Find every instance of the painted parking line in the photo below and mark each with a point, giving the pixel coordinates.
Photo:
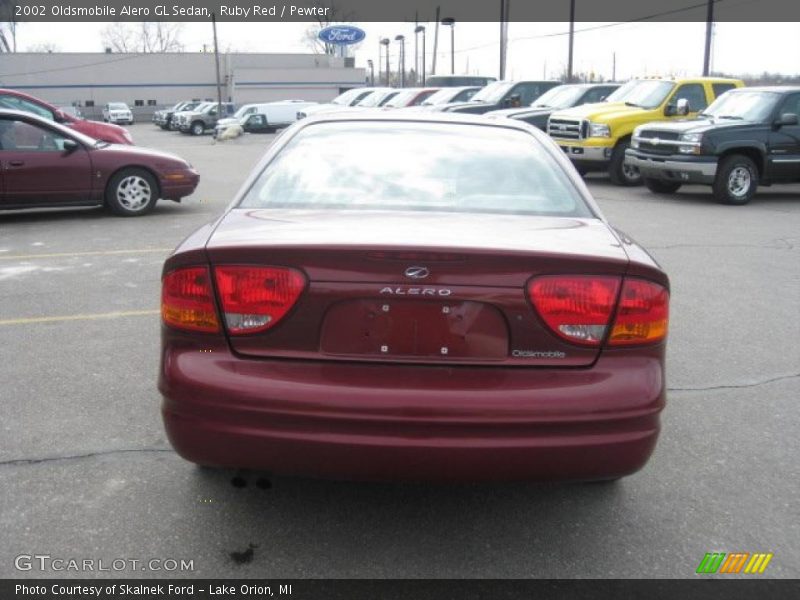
(84, 317)
(93, 253)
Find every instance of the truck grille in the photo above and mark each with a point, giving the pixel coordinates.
(568, 129)
(662, 135)
(653, 141)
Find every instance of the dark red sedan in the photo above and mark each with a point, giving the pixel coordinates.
(108, 132)
(414, 297)
(44, 164)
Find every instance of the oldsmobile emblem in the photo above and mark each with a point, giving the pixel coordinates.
(417, 272)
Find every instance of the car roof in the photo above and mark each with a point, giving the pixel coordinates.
(688, 79)
(781, 89)
(4, 112)
(421, 117)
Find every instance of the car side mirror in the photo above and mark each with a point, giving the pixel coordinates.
(70, 146)
(787, 119)
(60, 116)
(514, 101)
(682, 108)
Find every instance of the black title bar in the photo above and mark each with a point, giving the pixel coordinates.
(397, 589)
(355, 11)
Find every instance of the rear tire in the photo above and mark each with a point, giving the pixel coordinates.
(621, 173)
(736, 181)
(131, 192)
(659, 186)
(198, 128)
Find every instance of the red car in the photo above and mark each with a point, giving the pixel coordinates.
(44, 164)
(442, 301)
(107, 132)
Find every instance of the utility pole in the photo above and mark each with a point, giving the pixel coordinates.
(709, 34)
(216, 60)
(504, 5)
(614, 66)
(436, 40)
(571, 38)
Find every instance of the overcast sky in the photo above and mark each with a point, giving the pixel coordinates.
(535, 49)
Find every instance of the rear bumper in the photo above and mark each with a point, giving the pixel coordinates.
(688, 169)
(406, 422)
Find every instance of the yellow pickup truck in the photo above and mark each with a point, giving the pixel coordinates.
(595, 136)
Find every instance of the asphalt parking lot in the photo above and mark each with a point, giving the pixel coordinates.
(86, 471)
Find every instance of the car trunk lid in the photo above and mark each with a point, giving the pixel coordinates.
(422, 287)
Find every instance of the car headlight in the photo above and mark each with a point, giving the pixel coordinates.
(599, 130)
(691, 143)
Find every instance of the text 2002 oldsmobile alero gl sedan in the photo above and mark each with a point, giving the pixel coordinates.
(418, 298)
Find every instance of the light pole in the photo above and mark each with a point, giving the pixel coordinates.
(386, 42)
(402, 59)
(571, 39)
(709, 35)
(417, 30)
(371, 72)
(451, 23)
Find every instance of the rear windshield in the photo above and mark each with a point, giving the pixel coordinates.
(363, 165)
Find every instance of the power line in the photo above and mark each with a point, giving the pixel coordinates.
(596, 27)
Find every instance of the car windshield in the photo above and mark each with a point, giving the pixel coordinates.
(493, 92)
(243, 111)
(647, 93)
(402, 98)
(562, 96)
(443, 96)
(746, 106)
(117, 106)
(399, 166)
(346, 98)
(376, 98)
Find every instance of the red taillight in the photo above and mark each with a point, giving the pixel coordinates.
(187, 301)
(576, 307)
(256, 298)
(642, 315)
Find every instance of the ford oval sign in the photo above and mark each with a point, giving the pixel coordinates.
(341, 35)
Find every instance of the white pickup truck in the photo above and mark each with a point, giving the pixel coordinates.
(278, 114)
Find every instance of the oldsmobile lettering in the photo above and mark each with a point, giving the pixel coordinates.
(416, 291)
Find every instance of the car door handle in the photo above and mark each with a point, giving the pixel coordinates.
(16, 163)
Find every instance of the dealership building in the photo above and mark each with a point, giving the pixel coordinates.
(149, 81)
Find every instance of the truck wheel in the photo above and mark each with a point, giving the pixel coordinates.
(736, 181)
(198, 128)
(659, 186)
(131, 192)
(621, 173)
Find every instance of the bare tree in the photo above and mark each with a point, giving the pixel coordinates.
(143, 37)
(46, 47)
(8, 27)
